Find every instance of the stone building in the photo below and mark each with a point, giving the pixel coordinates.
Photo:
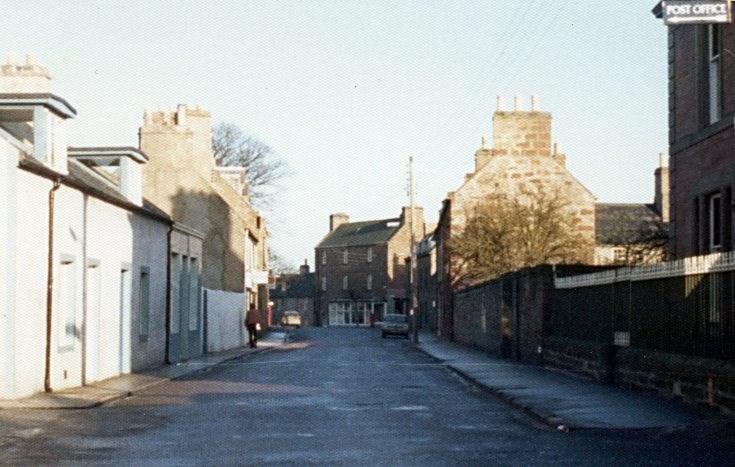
(701, 137)
(361, 268)
(634, 233)
(181, 179)
(522, 156)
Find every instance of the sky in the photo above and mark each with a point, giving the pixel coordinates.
(345, 91)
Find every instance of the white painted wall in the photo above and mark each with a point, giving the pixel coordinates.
(225, 313)
(8, 201)
(86, 228)
(31, 230)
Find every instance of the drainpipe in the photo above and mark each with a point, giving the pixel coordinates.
(167, 324)
(50, 284)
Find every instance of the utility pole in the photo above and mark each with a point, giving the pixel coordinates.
(412, 272)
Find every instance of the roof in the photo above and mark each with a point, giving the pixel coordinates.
(619, 224)
(84, 179)
(361, 233)
(296, 285)
(51, 101)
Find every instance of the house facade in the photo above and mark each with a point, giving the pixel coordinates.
(181, 178)
(361, 268)
(83, 287)
(701, 60)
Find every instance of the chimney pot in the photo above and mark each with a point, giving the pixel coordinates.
(534, 103)
(500, 103)
(517, 103)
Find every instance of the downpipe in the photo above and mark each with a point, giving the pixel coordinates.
(50, 283)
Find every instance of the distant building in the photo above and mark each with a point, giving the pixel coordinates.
(701, 137)
(361, 268)
(630, 234)
(294, 292)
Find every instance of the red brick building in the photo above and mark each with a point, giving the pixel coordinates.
(361, 268)
(701, 136)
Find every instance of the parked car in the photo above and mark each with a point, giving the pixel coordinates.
(291, 318)
(394, 324)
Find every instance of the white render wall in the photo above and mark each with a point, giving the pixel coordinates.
(225, 313)
(8, 200)
(87, 231)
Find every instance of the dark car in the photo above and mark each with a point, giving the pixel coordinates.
(394, 324)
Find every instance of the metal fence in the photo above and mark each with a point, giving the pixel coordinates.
(684, 307)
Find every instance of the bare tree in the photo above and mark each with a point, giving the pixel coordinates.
(504, 234)
(264, 168)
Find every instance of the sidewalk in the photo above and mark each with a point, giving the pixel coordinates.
(123, 386)
(559, 400)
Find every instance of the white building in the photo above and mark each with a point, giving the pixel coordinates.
(83, 260)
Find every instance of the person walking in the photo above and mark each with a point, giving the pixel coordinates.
(252, 322)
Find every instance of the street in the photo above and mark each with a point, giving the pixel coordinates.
(333, 396)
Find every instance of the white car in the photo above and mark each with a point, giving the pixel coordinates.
(291, 318)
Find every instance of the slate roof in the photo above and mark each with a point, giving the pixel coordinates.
(361, 233)
(617, 224)
(296, 285)
(82, 178)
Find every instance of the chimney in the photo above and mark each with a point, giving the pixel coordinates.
(304, 269)
(559, 156)
(661, 197)
(27, 78)
(41, 116)
(337, 219)
(521, 133)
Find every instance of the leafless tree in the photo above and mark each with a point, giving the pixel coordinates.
(231, 147)
(504, 233)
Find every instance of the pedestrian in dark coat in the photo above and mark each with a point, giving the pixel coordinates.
(252, 322)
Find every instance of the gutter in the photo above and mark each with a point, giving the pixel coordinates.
(50, 283)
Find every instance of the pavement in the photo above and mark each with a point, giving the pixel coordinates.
(560, 400)
(101, 392)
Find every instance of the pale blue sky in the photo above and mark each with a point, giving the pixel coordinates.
(347, 90)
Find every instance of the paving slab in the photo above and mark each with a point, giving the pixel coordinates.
(558, 399)
(101, 392)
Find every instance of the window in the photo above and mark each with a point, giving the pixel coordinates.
(714, 75)
(324, 257)
(126, 287)
(176, 271)
(193, 294)
(145, 303)
(369, 284)
(324, 283)
(345, 283)
(345, 257)
(67, 302)
(370, 254)
(620, 256)
(715, 222)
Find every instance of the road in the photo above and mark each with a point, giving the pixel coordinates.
(332, 397)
